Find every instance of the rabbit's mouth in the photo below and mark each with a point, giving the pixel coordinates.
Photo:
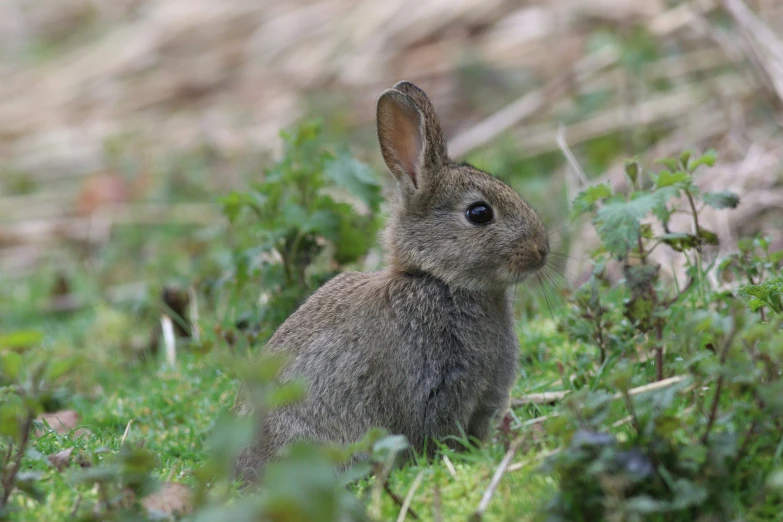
(529, 258)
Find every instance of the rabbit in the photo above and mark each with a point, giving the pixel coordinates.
(426, 347)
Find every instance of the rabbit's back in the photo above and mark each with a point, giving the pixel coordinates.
(400, 351)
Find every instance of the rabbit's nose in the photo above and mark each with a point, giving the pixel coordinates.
(543, 250)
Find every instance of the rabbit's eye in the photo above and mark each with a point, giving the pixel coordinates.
(479, 214)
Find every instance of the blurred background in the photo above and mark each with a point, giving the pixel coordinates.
(122, 121)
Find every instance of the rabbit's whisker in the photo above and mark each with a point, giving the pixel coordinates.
(546, 296)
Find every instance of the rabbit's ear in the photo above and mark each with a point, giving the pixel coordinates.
(410, 136)
(436, 153)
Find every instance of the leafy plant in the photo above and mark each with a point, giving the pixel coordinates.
(314, 213)
(624, 223)
(699, 445)
(26, 387)
(753, 262)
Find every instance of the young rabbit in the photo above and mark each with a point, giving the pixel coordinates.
(425, 348)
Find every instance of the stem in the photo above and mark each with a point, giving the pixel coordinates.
(659, 242)
(673, 300)
(695, 213)
(10, 479)
(397, 500)
(716, 399)
(286, 266)
(713, 411)
(642, 253)
(629, 405)
(659, 352)
(745, 441)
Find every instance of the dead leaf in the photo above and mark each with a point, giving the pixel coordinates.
(100, 189)
(61, 459)
(61, 421)
(171, 499)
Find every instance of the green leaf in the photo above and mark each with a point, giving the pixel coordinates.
(708, 159)
(11, 415)
(646, 505)
(355, 240)
(618, 222)
(286, 394)
(11, 365)
(685, 157)
(632, 170)
(27, 483)
(719, 200)
(585, 201)
(20, 340)
(60, 367)
(666, 178)
(680, 241)
(356, 177)
(389, 446)
(708, 237)
(669, 163)
(325, 223)
(775, 480)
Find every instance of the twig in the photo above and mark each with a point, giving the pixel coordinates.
(76, 506)
(541, 456)
(396, 498)
(499, 472)
(409, 498)
(450, 467)
(437, 509)
(169, 339)
(633, 391)
(569, 156)
(548, 397)
(127, 432)
(539, 420)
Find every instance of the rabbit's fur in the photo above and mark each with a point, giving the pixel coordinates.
(425, 348)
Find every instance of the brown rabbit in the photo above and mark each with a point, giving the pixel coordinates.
(425, 348)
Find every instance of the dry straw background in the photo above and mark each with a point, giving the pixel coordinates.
(181, 74)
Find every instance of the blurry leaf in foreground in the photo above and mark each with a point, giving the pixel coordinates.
(303, 486)
(20, 340)
(170, 500)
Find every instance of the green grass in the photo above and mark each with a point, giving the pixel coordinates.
(172, 409)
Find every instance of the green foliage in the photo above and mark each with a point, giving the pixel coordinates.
(754, 263)
(699, 446)
(769, 293)
(313, 213)
(25, 383)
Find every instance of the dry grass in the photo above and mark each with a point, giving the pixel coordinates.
(170, 75)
